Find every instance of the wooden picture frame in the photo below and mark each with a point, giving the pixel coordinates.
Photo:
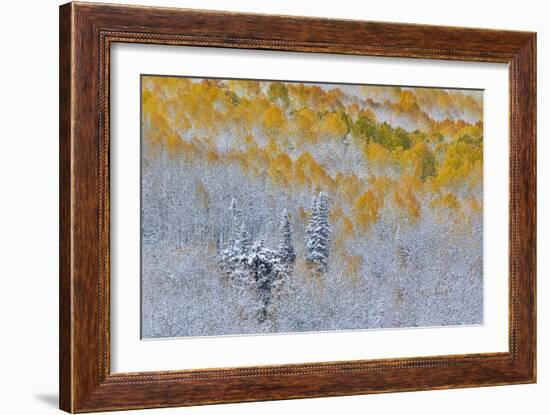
(86, 33)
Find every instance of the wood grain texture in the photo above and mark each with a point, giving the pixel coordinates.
(86, 33)
(65, 247)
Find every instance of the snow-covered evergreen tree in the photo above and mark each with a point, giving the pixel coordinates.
(318, 234)
(286, 247)
(233, 257)
(256, 269)
(241, 241)
(311, 226)
(267, 273)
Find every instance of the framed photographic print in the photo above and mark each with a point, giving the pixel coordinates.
(258, 207)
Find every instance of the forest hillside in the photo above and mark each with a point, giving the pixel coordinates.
(280, 206)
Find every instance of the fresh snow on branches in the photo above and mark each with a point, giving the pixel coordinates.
(205, 275)
(286, 247)
(257, 266)
(318, 234)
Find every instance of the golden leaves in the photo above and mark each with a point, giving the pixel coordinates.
(377, 153)
(367, 207)
(407, 101)
(306, 122)
(310, 173)
(280, 169)
(332, 125)
(408, 203)
(418, 161)
(447, 201)
(347, 186)
(462, 163)
(274, 130)
(273, 118)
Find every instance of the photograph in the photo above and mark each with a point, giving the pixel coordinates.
(275, 206)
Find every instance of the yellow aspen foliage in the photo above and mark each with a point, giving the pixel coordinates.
(475, 206)
(212, 156)
(154, 117)
(378, 154)
(174, 144)
(256, 160)
(475, 130)
(181, 123)
(418, 161)
(148, 101)
(272, 147)
(332, 125)
(407, 101)
(367, 114)
(347, 227)
(246, 141)
(273, 118)
(243, 87)
(443, 100)
(367, 207)
(306, 122)
(408, 204)
(242, 115)
(278, 93)
(299, 94)
(403, 171)
(308, 172)
(446, 201)
(335, 95)
(280, 169)
(381, 185)
(348, 186)
(460, 160)
(412, 183)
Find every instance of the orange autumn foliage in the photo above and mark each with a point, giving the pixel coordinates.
(271, 129)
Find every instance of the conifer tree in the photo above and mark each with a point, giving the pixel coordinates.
(233, 258)
(267, 274)
(241, 241)
(318, 234)
(286, 247)
(310, 228)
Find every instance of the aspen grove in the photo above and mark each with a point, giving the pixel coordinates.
(272, 207)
